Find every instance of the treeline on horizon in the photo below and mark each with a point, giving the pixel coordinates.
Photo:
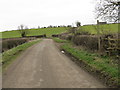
(54, 26)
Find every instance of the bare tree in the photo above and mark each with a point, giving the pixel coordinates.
(23, 30)
(108, 10)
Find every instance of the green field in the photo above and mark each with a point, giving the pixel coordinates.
(32, 32)
(104, 29)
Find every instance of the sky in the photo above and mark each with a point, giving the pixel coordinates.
(34, 13)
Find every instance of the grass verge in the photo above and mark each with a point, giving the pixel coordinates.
(9, 56)
(98, 65)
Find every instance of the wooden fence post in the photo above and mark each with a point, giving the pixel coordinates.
(98, 33)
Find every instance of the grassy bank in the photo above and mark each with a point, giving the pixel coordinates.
(32, 32)
(102, 66)
(9, 56)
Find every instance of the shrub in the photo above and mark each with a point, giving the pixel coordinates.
(55, 35)
(69, 37)
(88, 41)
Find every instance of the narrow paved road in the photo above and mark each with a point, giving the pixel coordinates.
(44, 66)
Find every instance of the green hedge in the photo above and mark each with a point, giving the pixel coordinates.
(8, 44)
(11, 54)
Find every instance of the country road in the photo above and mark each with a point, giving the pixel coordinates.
(44, 66)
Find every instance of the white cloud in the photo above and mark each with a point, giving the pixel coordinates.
(44, 12)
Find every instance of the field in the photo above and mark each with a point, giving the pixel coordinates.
(104, 29)
(32, 32)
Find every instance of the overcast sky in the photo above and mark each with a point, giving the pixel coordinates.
(34, 13)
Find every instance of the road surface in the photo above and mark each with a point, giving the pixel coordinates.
(44, 66)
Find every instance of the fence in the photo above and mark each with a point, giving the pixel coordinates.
(112, 46)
